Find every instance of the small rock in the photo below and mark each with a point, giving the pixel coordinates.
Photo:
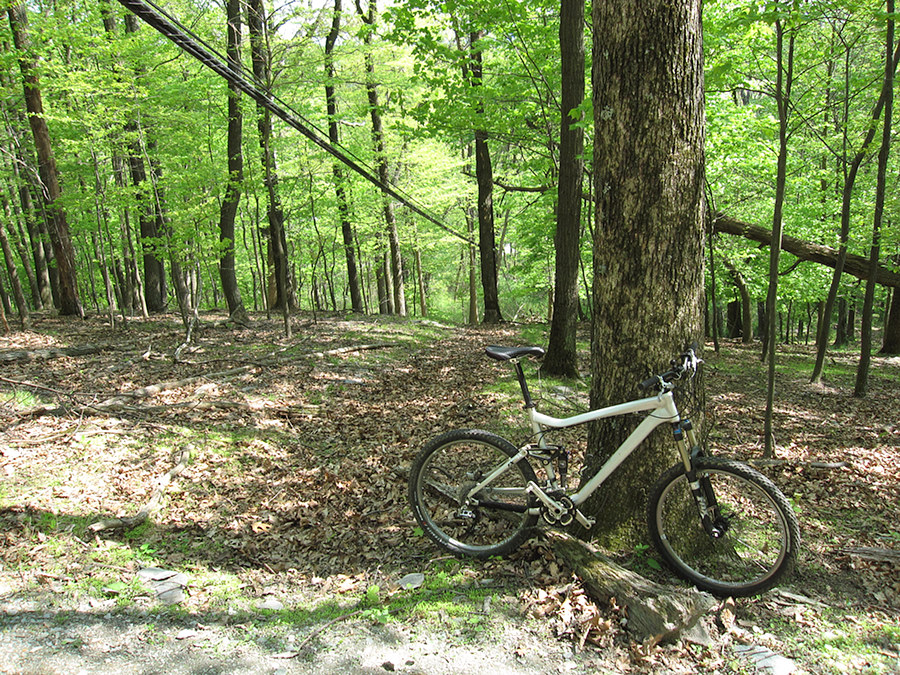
(270, 603)
(410, 581)
(765, 660)
(387, 665)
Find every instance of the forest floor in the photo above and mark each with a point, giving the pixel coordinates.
(278, 539)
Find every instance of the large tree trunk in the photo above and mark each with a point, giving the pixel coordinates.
(648, 243)
(232, 197)
(69, 302)
(561, 355)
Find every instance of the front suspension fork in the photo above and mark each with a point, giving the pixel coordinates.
(701, 489)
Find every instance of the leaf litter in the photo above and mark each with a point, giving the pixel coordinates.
(297, 487)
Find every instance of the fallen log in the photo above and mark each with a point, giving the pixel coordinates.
(655, 612)
(873, 554)
(855, 265)
(19, 355)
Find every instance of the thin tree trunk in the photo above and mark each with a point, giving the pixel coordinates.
(420, 279)
(229, 207)
(356, 300)
(714, 323)
(746, 308)
(19, 242)
(13, 274)
(154, 279)
(561, 352)
(825, 327)
(69, 302)
(472, 268)
(390, 220)
(865, 354)
(784, 81)
(840, 333)
(484, 176)
(34, 264)
(261, 57)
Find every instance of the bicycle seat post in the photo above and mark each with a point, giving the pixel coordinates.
(526, 395)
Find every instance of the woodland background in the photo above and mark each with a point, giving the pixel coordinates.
(136, 183)
(155, 158)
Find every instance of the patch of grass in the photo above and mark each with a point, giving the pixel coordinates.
(829, 640)
(857, 646)
(21, 399)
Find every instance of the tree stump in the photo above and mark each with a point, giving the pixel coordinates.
(654, 612)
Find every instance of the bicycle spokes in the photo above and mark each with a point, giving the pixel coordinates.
(464, 502)
(746, 542)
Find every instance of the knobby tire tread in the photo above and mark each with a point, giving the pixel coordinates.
(723, 589)
(420, 510)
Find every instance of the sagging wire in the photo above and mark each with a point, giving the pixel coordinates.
(156, 17)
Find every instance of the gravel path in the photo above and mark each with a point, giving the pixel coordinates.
(38, 635)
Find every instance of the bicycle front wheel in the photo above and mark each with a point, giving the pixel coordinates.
(758, 531)
(493, 521)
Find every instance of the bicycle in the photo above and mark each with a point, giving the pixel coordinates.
(718, 523)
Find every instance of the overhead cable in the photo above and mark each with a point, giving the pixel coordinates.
(157, 18)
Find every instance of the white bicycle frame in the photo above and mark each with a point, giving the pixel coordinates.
(661, 409)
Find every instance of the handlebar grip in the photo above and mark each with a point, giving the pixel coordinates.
(687, 362)
(649, 383)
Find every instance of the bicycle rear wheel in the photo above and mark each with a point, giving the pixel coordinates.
(495, 521)
(759, 531)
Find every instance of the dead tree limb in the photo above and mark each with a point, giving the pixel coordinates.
(130, 522)
(855, 265)
(18, 355)
(654, 612)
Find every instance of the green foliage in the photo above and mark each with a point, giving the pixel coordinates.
(111, 96)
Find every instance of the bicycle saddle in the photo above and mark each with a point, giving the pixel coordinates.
(509, 353)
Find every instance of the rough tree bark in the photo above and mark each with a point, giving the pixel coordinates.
(648, 284)
(69, 301)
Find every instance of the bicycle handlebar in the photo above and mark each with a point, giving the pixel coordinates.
(685, 363)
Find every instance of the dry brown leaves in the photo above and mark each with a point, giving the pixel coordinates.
(299, 470)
